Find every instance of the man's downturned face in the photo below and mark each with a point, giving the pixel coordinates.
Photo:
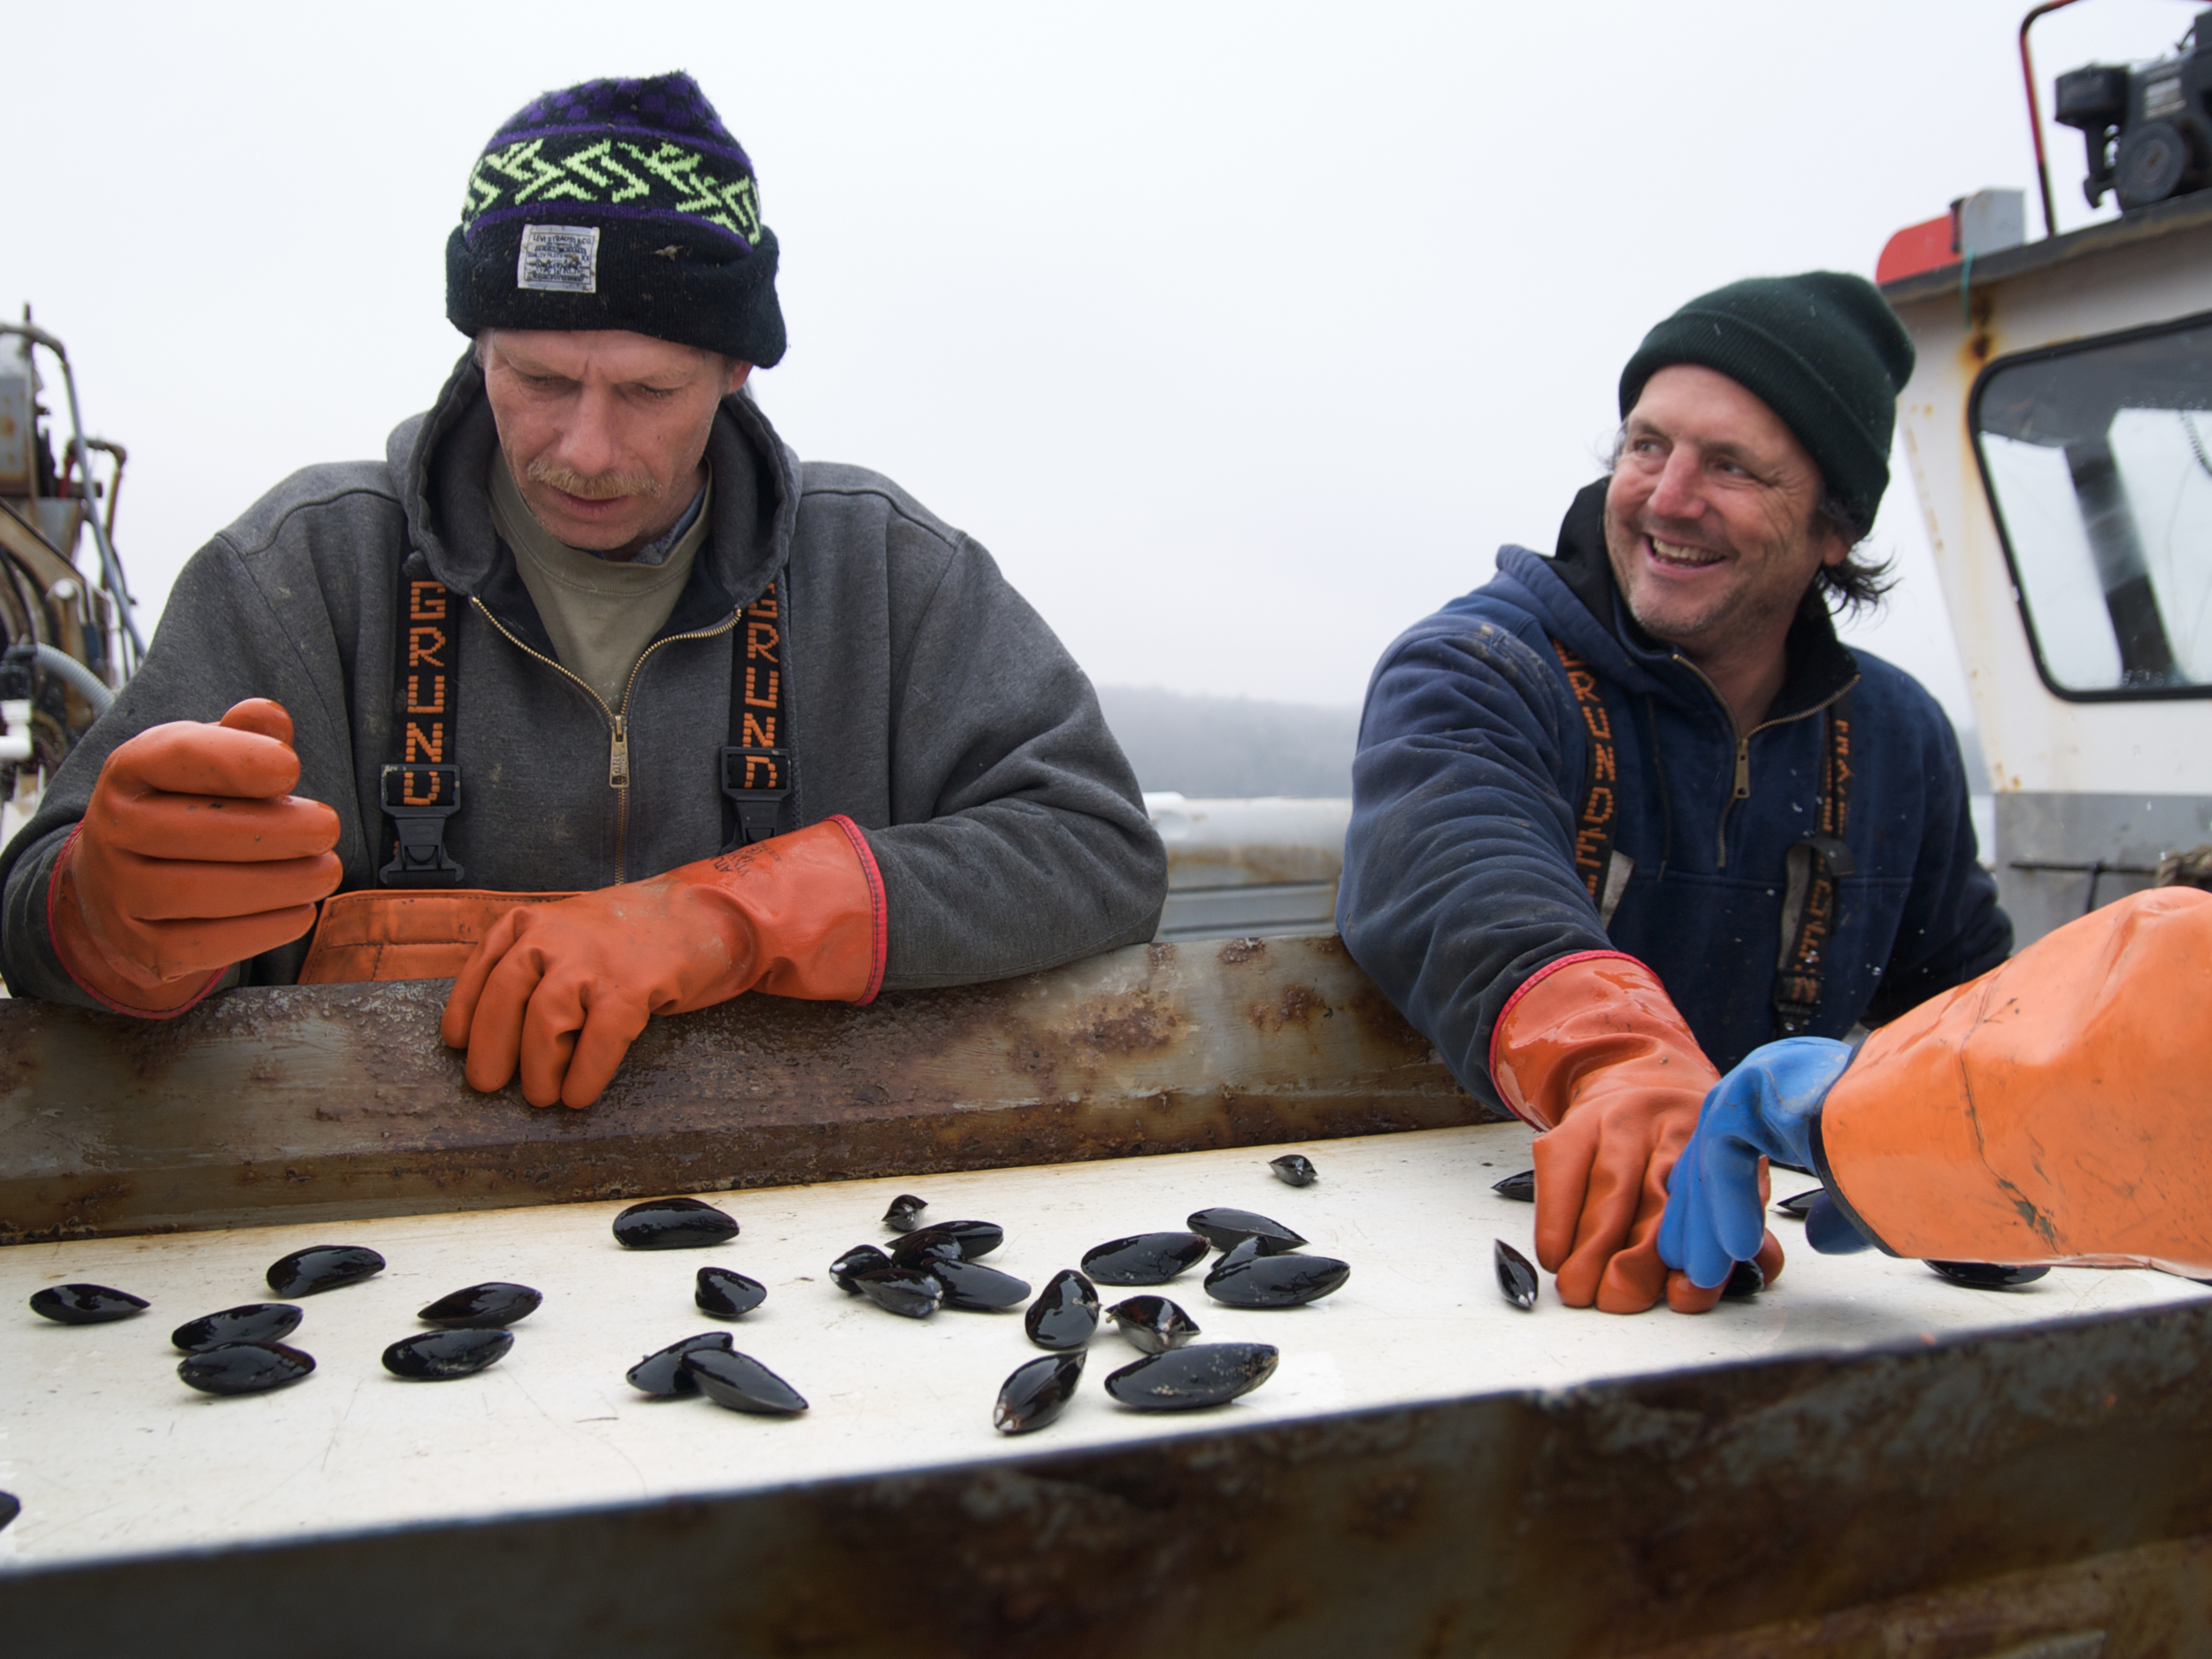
(603, 430)
(1709, 518)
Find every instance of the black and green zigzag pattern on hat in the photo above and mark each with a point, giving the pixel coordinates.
(1823, 350)
(620, 203)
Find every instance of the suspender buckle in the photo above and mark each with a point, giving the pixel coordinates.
(756, 780)
(418, 800)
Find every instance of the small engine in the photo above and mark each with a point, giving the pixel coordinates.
(2149, 130)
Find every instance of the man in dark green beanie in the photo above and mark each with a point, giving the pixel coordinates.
(1625, 813)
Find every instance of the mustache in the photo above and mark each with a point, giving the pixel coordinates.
(593, 485)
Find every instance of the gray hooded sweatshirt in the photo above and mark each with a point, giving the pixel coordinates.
(926, 702)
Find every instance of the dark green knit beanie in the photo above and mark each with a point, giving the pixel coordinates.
(1823, 350)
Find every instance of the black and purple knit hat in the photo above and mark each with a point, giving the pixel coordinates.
(617, 204)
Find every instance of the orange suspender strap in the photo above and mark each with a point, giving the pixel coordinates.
(1599, 817)
(1809, 906)
(422, 789)
(756, 763)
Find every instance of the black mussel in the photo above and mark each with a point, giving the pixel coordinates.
(1149, 1258)
(11, 1506)
(1185, 1378)
(256, 1322)
(862, 1258)
(974, 1288)
(1746, 1280)
(1988, 1275)
(726, 1295)
(1065, 1312)
(912, 1292)
(1797, 1204)
(441, 1355)
(673, 1224)
(1519, 1186)
(1225, 1229)
(965, 1240)
(901, 1217)
(85, 1304)
(661, 1374)
(323, 1267)
(243, 1368)
(1294, 1169)
(1036, 1393)
(1273, 1281)
(742, 1383)
(1516, 1276)
(490, 1307)
(1153, 1323)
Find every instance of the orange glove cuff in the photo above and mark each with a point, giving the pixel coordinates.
(1581, 1015)
(814, 899)
(93, 968)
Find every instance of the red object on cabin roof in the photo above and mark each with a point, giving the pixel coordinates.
(1923, 247)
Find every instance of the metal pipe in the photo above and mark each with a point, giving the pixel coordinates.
(2035, 112)
(87, 684)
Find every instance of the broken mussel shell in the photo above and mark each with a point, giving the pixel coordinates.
(1797, 1204)
(1065, 1312)
(11, 1506)
(1189, 1378)
(488, 1307)
(962, 1240)
(1225, 1229)
(256, 1322)
(673, 1224)
(85, 1304)
(1147, 1258)
(1153, 1323)
(1988, 1275)
(323, 1267)
(1519, 1186)
(1247, 1277)
(1516, 1275)
(727, 1295)
(862, 1258)
(1746, 1280)
(1036, 1393)
(662, 1374)
(1294, 1169)
(441, 1355)
(742, 1383)
(974, 1288)
(901, 1217)
(243, 1368)
(913, 1293)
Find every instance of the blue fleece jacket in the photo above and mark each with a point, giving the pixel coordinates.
(1459, 875)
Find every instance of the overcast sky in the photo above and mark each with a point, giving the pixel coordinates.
(1242, 334)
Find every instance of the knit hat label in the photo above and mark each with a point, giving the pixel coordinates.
(564, 258)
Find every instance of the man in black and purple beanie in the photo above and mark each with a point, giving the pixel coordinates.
(591, 693)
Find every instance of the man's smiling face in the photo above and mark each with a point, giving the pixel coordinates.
(1709, 518)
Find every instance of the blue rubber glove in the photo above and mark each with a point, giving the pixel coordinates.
(1764, 1108)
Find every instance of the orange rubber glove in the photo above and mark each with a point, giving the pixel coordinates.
(192, 855)
(1591, 1052)
(565, 988)
(2052, 1110)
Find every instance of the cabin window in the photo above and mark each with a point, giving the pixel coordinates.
(2098, 461)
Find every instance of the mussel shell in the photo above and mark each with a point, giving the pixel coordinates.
(243, 1368)
(910, 1292)
(322, 1267)
(85, 1304)
(1036, 1393)
(1988, 1275)
(1746, 1280)
(1225, 1229)
(1065, 1312)
(975, 1288)
(901, 1217)
(11, 1506)
(1153, 1323)
(862, 1258)
(1797, 1204)
(1190, 1379)
(1519, 1186)
(742, 1383)
(492, 1306)
(673, 1224)
(965, 1240)
(662, 1374)
(1276, 1281)
(1516, 1275)
(727, 1295)
(441, 1355)
(256, 1322)
(1294, 1169)
(1145, 1258)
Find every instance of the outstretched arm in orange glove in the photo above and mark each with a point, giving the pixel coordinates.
(192, 855)
(563, 989)
(1591, 1052)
